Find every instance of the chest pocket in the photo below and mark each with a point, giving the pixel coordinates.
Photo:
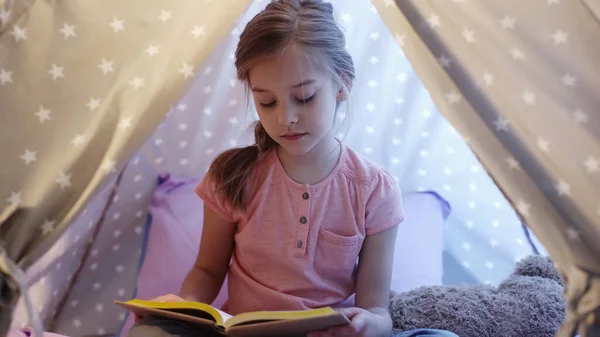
(336, 255)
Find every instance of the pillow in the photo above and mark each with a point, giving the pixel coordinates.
(418, 256)
(172, 241)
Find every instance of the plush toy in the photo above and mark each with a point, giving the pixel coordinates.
(529, 303)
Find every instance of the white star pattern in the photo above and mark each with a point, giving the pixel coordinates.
(19, 34)
(592, 164)
(579, 116)
(47, 227)
(517, 54)
(164, 16)
(468, 35)
(78, 140)
(152, 50)
(29, 156)
(568, 80)
(528, 97)
(109, 166)
(5, 76)
(56, 72)
(15, 198)
(93, 103)
(501, 124)
(543, 144)
(563, 188)
(488, 78)
(186, 70)
(125, 123)
(43, 114)
(138, 82)
(63, 180)
(106, 66)
(444, 61)
(453, 97)
(198, 31)
(68, 30)
(117, 25)
(508, 22)
(523, 207)
(559, 37)
(434, 21)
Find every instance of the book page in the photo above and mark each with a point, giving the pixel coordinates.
(224, 315)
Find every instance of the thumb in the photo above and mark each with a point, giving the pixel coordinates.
(350, 312)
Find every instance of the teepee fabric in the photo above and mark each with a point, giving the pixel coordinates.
(520, 81)
(82, 86)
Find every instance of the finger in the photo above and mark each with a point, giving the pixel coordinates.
(357, 325)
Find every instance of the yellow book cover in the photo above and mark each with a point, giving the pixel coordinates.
(259, 323)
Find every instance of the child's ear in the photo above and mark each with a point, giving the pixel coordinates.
(341, 95)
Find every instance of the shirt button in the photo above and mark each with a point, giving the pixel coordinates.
(305, 196)
(299, 243)
(303, 219)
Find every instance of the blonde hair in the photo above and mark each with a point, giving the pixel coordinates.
(310, 25)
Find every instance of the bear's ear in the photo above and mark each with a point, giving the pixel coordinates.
(537, 265)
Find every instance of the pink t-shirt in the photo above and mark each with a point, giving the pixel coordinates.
(296, 245)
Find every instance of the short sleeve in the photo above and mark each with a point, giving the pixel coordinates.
(206, 190)
(384, 207)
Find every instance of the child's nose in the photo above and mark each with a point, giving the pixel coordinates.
(288, 116)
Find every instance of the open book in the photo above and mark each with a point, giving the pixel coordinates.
(260, 323)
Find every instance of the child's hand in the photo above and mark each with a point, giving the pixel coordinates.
(363, 323)
(163, 298)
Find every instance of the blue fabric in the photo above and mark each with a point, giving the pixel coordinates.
(426, 333)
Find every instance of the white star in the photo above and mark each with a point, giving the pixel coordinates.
(347, 18)
(396, 141)
(398, 121)
(434, 21)
(138, 82)
(56, 72)
(68, 30)
(197, 31)
(164, 16)
(488, 78)
(4, 16)
(63, 179)
(450, 150)
(207, 111)
(372, 84)
(207, 134)
(125, 123)
(5, 76)
(399, 100)
(489, 265)
(469, 35)
(592, 164)
(400, 39)
(573, 233)
(528, 97)
(513, 163)
(109, 166)
(444, 61)
(15, 198)
(466, 246)
(453, 97)
(517, 54)
(426, 113)
(117, 25)
(553, 2)
(233, 120)
(388, 3)
(29, 156)
(424, 153)
(152, 50)
(560, 37)
(473, 187)
(43, 114)
(579, 116)
(369, 129)
(93, 103)
(569, 80)
(47, 227)
(501, 124)
(183, 126)
(493, 242)
(19, 33)
(543, 144)
(374, 36)
(78, 140)
(563, 188)
(187, 70)
(371, 107)
(106, 66)
(523, 207)
(182, 107)
(401, 77)
(374, 60)
(508, 22)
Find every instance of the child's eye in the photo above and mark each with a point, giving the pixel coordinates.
(267, 105)
(305, 100)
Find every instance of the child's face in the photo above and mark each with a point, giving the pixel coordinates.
(295, 101)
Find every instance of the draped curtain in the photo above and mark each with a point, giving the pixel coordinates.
(519, 80)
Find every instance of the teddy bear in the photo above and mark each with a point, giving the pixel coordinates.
(529, 303)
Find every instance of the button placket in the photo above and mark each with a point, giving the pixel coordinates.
(303, 224)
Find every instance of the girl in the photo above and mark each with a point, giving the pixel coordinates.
(298, 220)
